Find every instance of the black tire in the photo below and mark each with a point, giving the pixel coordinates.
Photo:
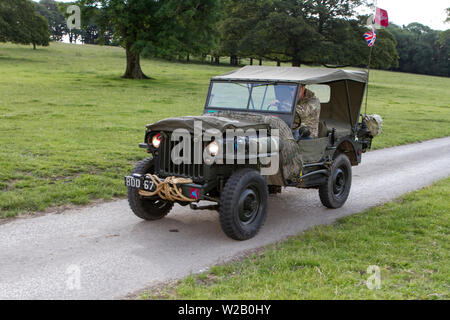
(335, 192)
(243, 204)
(145, 208)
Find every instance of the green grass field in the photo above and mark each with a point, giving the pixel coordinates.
(70, 126)
(408, 240)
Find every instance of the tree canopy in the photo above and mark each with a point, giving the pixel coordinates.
(302, 32)
(164, 27)
(314, 32)
(422, 50)
(19, 23)
(57, 23)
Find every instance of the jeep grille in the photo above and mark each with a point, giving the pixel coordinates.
(168, 168)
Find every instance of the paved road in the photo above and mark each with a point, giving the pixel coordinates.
(114, 253)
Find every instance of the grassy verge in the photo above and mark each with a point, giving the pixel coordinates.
(408, 239)
(69, 125)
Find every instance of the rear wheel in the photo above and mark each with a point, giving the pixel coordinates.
(335, 192)
(243, 204)
(147, 209)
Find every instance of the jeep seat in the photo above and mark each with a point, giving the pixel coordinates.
(326, 126)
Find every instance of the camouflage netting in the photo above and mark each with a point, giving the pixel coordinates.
(290, 153)
(375, 124)
(207, 123)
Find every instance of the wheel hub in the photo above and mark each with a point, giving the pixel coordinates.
(339, 182)
(248, 206)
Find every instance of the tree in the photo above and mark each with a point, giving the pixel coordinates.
(444, 53)
(95, 27)
(90, 29)
(238, 35)
(14, 16)
(272, 29)
(193, 29)
(288, 33)
(21, 24)
(353, 50)
(152, 26)
(303, 32)
(39, 31)
(56, 20)
(421, 49)
(73, 34)
(385, 55)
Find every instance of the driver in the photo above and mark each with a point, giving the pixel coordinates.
(308, 112)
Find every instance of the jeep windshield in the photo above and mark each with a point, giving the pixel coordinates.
(241, 96)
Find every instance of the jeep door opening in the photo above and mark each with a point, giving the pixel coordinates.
(262, 101)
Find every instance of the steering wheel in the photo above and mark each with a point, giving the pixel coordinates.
(274, 105)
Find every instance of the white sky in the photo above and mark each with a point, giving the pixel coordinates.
(403, 12)
(430, 12)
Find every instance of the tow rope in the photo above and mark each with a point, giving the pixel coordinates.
(168, 189)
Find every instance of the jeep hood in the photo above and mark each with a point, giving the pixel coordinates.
(207, 122)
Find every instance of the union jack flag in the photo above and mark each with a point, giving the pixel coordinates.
(371, 37)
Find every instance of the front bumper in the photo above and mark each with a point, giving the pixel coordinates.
(193, 191)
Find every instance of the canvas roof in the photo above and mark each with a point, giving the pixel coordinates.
(292, 74)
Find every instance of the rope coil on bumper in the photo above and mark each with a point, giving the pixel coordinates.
(168, 189)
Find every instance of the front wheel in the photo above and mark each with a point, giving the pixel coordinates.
(147, 209)
(335, 192)
(243, 204)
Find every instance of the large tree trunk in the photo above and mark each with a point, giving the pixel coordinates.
(260, 62)
(134, 70)
(251, 61)
(296, 62)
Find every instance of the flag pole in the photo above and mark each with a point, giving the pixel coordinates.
(375, 4)
(368, 77)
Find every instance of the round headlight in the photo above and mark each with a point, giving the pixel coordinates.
(156, 141)
(213, 149)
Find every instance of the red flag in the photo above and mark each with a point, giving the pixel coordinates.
(381, 18)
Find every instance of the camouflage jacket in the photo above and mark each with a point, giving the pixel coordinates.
(308, 113)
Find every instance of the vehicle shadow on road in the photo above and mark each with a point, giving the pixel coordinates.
(184, 227)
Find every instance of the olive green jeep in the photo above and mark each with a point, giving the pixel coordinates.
(248, 144)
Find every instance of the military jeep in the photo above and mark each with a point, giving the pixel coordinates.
(243, 148)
